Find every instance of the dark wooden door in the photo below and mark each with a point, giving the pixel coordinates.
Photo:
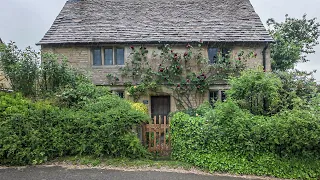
(160, 106)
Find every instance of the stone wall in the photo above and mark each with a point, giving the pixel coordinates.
(4, 83)
(80, 57)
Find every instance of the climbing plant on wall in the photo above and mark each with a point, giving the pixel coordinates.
(188, 74)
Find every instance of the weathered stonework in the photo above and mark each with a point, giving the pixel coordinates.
(80, 57)
(4, 83)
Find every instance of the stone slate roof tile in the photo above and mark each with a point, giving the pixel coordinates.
(124, 21)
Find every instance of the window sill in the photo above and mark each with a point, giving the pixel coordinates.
(108, 67)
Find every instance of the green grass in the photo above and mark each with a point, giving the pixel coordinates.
(124, 162)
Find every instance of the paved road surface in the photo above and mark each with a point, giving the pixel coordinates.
(58, 173)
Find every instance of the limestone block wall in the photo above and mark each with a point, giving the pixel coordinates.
(80, 56)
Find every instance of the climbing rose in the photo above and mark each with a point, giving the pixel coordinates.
(132, 47)
(185, 54)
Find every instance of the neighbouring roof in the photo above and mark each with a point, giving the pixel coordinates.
(1, 41)
(145, 21)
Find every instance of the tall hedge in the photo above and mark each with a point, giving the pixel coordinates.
(35, 132)
(229, 139)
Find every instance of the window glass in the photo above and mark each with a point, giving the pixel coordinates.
(213, 55)
(213, 97)
(226, 52)
(108, 56)
(223, 96)
(97, 57)
(119, 56)
(120, 94)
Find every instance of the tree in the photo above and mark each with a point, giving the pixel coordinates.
(294, 40)
(30, 76)
(21, 67)
(299, 87)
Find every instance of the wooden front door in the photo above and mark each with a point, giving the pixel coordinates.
(156, 134)
(160, 106)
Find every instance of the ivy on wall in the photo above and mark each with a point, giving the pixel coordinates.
(188, 75)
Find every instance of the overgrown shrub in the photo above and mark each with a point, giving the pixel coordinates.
(256, 91)
(229, 139)
(32, 77)
(21, 67)
(32, 133)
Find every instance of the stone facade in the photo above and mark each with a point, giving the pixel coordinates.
(4, 83)
(80, 56)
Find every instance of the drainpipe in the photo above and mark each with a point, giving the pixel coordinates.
(264, 55)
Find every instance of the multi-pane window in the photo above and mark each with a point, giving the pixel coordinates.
(218, 95)
(120, 94)
(213, 54)
(108, 56)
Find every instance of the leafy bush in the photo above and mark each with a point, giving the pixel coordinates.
(200, 111)
(21, 67)
(33, 78)
(229, 139)
(32, 133)
(256, 91)
(140, 107)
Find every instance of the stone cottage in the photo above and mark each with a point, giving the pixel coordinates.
(96, 35)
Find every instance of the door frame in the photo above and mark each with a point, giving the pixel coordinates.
(169, 104)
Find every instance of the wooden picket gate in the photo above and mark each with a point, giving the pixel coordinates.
(156, 135)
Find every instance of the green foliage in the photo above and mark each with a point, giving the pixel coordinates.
(21, 67)
(32, 78)
(256, 91)
(34, 132)
(54, 75)
(187, 75)
(80, 92)
(294, 40)
(140, 107)
(229, 139)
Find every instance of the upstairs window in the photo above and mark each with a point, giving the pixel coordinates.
(108, 56)
(97, 57)
(213, 54)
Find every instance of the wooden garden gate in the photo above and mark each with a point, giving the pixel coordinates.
(156, 135)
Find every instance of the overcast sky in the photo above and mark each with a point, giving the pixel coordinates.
(26, 21)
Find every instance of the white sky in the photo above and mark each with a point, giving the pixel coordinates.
(26, 21)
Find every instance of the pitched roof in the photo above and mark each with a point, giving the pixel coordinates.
(128, 21)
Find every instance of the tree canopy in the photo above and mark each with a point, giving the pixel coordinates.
(294, 40)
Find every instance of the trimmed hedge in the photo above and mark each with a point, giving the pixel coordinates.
(229, 139)
(35, 132)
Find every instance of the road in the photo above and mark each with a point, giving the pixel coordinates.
(59, 173)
